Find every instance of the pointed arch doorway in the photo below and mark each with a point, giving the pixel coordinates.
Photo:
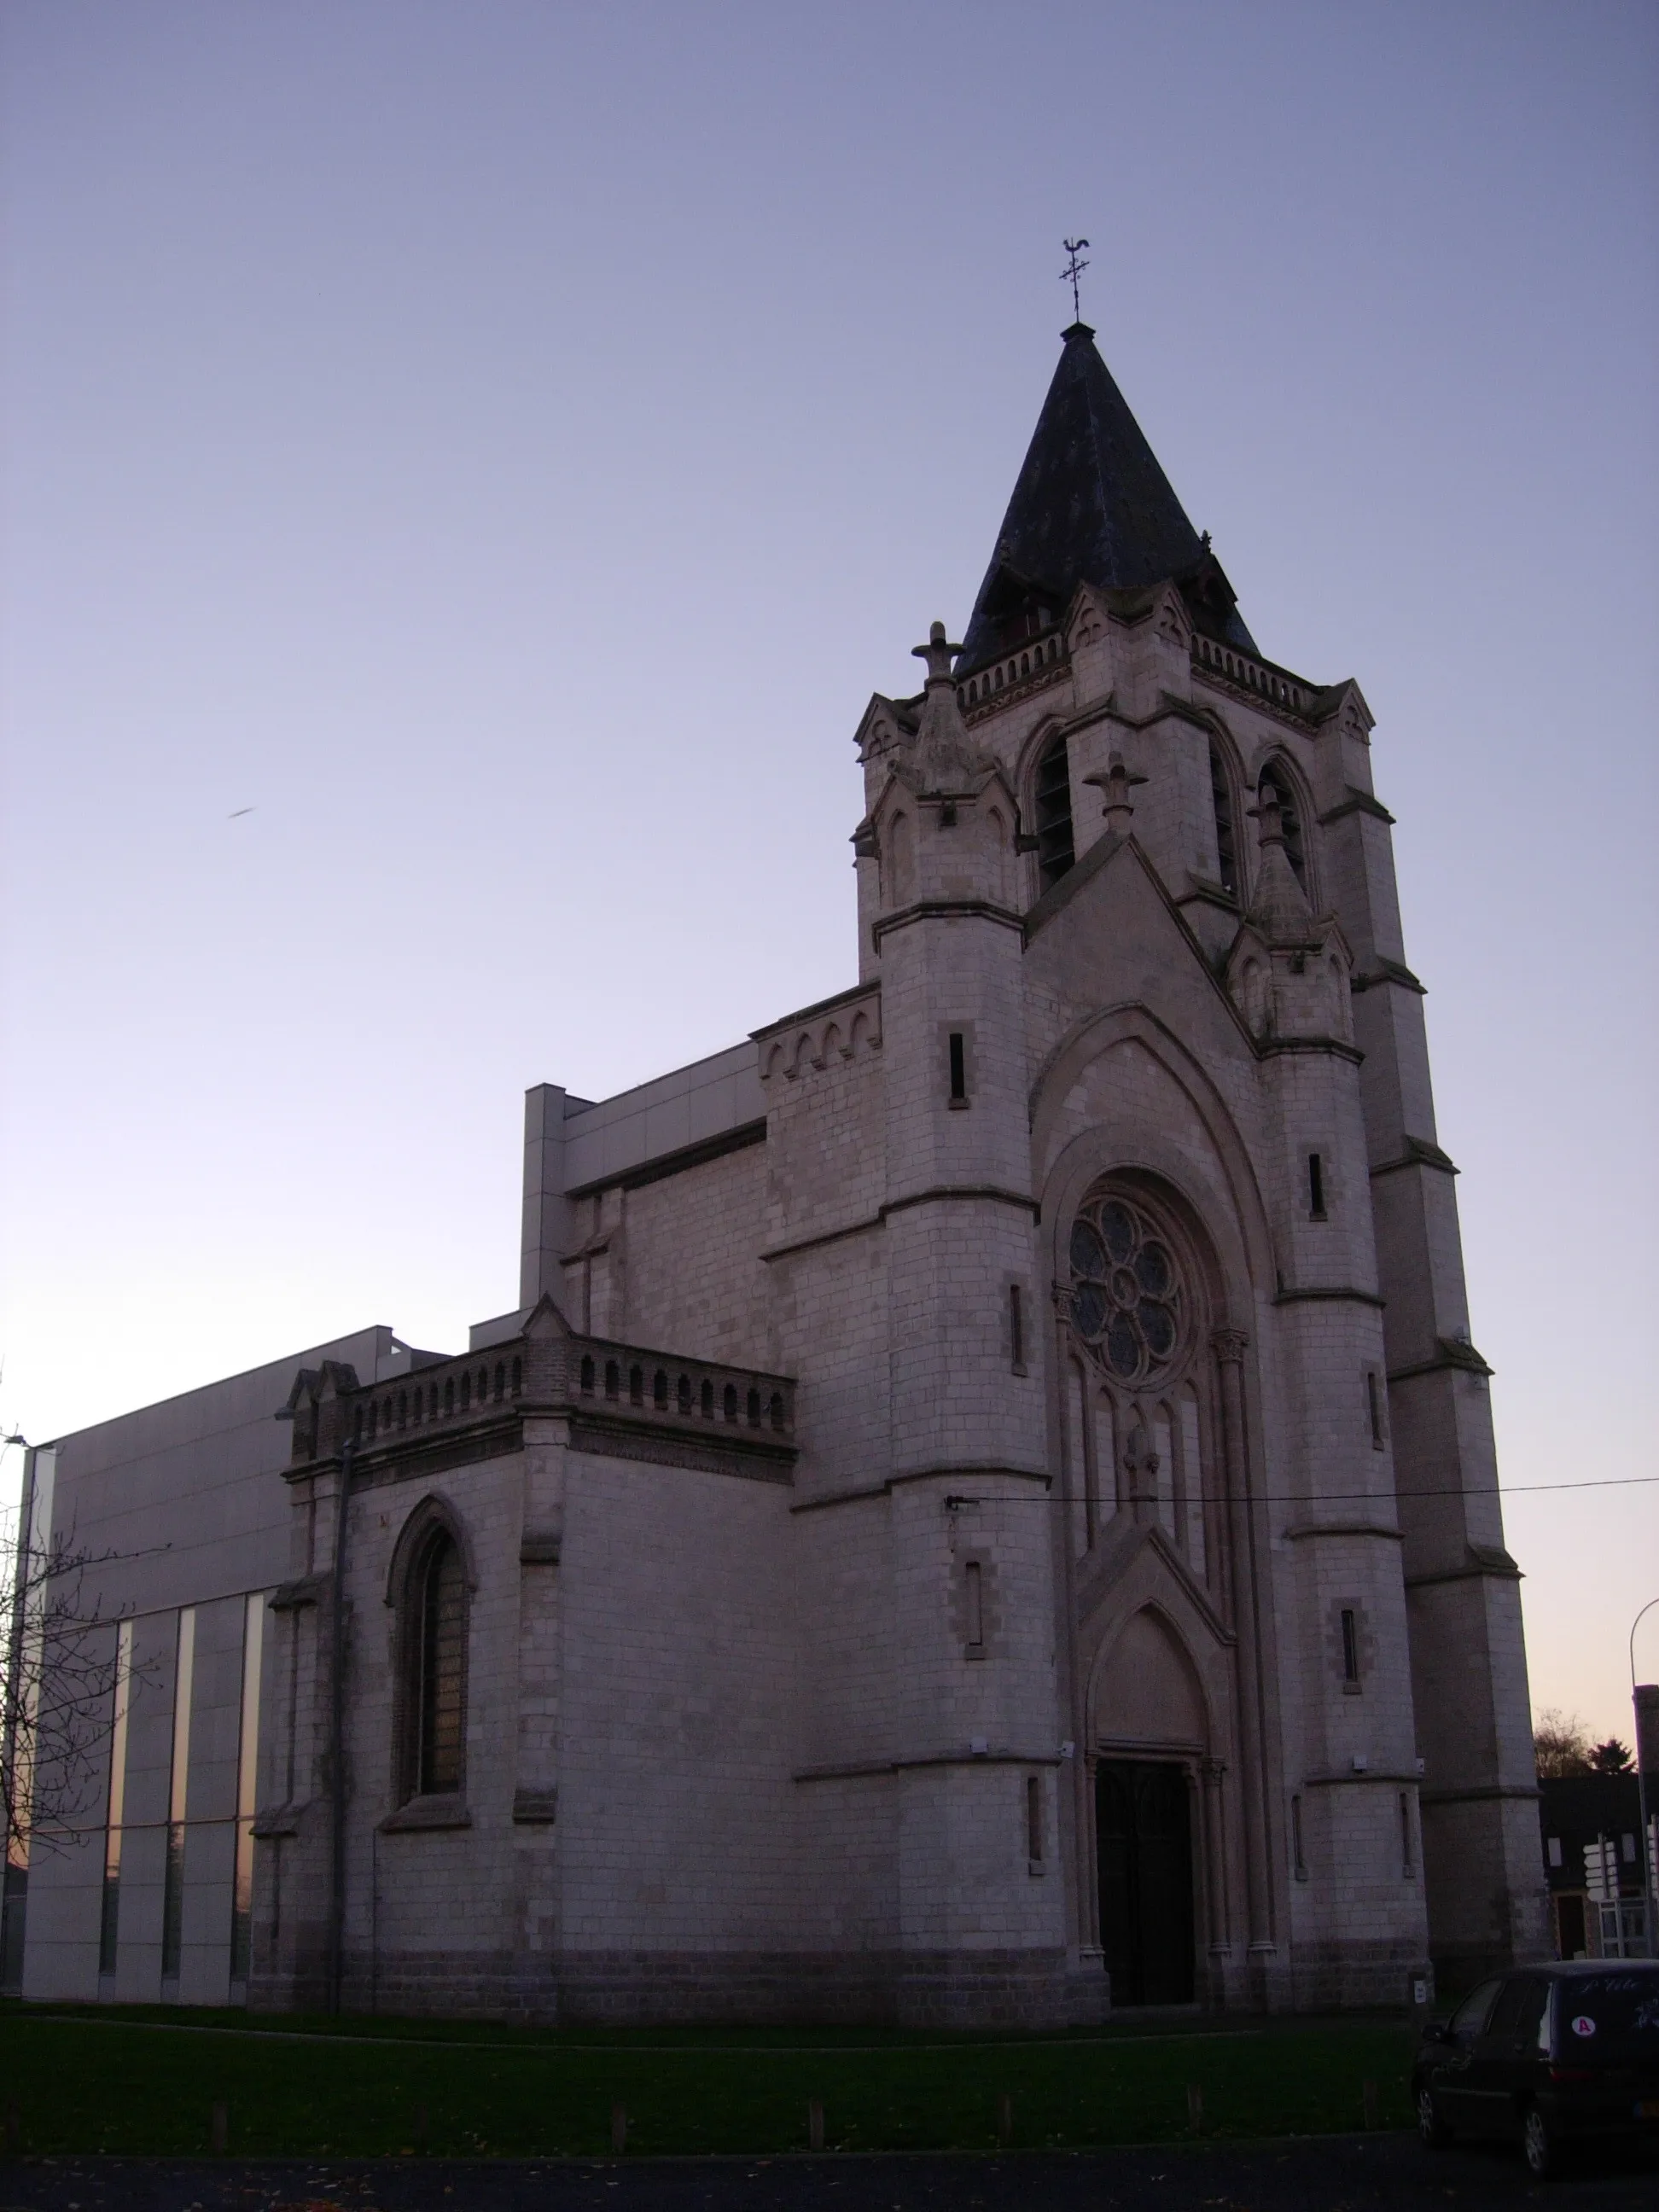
(1144, 1847)
(1150, 1731)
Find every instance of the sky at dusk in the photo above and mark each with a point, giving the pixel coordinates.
(466, 468)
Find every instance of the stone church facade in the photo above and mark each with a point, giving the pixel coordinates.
(985, 1509)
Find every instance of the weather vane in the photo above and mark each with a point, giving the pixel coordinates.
(1072, 270)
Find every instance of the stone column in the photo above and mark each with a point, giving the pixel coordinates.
(1215, 1857)
(1088, 1849)
(1229, 1344)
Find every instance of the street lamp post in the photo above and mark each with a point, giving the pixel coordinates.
(1642, 1789)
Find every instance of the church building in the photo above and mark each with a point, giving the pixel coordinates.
(984, 1507)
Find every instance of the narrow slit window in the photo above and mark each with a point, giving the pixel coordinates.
(1017, 1327)
(1055, 851)
(1350, 1645)
(1316, 1187)
(1374, 1407)
(1033, 1818)
(1407, 1863)
(974, 1577)
(1298, 1852)
(958, 1052)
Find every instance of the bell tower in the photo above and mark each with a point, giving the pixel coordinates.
(972, 1662)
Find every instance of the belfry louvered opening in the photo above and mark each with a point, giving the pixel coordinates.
(1053, 804)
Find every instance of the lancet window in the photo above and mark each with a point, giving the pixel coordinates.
(1139, 1422)
(1221, 801)
(433, 1670)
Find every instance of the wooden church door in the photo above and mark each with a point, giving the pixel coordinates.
(1143, 1827)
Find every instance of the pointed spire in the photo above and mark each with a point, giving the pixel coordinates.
(1279, 908)
(1091, 505)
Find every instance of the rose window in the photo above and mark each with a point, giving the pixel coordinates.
(1128, 1303)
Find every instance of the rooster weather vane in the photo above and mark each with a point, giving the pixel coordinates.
(1072, 270)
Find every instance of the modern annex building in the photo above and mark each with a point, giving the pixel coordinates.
(985, 1504)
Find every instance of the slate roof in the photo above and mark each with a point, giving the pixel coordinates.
(1091, 505)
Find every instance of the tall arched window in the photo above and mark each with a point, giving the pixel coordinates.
(1221, 799)
(1137, 1322)
(435, 1667)
(1276, 784)
(1053, 796)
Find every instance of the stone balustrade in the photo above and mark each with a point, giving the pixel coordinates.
(542, 1372)
(1257, 676)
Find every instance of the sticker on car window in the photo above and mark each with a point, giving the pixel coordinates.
(1584, 2025)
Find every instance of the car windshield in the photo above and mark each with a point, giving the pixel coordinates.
(1608, 2008)
(1471, 2015)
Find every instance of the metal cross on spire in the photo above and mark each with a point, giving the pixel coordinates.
(1072, 270)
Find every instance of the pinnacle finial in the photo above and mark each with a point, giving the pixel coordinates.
(1280, 908)
(1116, 782)
(1269, 811)
(937, 653)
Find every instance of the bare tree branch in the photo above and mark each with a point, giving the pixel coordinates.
(59, 1668)
(1561, 1745)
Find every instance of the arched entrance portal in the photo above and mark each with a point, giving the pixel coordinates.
(1150, 1733)
(1143, 1827)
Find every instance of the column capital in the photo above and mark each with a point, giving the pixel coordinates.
(1229, 1345)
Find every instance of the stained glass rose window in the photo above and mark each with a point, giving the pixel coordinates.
(1128, 1303)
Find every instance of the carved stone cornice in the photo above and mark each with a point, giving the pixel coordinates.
(1383, 970)
(1449, 1352)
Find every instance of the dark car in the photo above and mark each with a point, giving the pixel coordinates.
(1545, 2056)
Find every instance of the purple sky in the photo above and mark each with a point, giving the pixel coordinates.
(504, 445)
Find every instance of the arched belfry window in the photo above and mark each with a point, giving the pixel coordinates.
(433, 1665)
(1053, 809)
(1221, 801)
(1276, 784)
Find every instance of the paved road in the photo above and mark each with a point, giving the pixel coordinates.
(1337, 2173)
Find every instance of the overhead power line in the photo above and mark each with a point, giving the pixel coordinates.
(1335, 1497)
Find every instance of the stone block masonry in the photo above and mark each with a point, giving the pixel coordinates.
(984, 1511)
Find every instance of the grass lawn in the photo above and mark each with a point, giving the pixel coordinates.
(118, 2082)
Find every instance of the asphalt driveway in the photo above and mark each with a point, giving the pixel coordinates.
(1332, 2173)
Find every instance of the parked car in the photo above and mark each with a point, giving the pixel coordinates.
(1548, 2055)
